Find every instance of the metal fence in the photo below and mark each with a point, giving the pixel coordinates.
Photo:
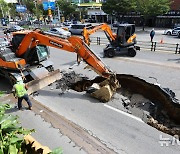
(147, 45)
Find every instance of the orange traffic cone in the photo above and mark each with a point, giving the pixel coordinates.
(162, 41)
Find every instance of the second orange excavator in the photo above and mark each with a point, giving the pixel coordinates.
(122, 42)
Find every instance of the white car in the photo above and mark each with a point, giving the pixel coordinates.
(172, 31)
(175, 31)
(60, 31)
(168, 32)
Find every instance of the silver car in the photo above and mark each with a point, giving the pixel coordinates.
(78, 28)
(60, 31)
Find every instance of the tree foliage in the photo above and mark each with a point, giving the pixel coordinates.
(4, 8)
(153, 7)
(36, 9)
(66, 7)
(145, 7)
(119, 6)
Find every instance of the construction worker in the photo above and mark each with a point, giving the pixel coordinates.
(20, 92)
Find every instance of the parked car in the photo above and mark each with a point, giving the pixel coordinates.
(13, 29)
(4, 42)
(39, 22)
(67, 23)
(23, 23)
(60, 31)
(175, 31)
(172, 31)
(78, 28)
(168, 32)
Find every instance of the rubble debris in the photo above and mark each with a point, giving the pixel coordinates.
(151, 113)
(68, 79)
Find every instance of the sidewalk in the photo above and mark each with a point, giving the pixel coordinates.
(45, 133)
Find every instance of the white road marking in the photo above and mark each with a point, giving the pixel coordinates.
(124, 113)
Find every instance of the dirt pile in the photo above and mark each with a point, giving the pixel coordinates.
(68, 80)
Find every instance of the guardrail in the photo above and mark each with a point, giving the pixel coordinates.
(158, 46)
(152, 46)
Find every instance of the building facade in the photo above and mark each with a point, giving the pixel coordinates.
(171, 18)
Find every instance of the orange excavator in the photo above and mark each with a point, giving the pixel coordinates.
(122, 42)
(27, 57)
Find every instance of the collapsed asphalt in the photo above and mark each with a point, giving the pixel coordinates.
(152, 113)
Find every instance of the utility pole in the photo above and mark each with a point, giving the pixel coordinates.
(59, 16)
(35, 3)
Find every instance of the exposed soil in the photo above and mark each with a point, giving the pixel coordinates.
(151, 112)
(68, 79)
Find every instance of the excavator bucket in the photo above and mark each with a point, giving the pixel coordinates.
(104, 90)
(37, 84)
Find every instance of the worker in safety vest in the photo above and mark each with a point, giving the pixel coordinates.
(20, 92)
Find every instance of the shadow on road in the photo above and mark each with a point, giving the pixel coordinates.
(177, 60)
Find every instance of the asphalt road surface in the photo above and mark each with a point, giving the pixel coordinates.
(118, 131)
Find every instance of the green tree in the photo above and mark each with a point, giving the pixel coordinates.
(66, 7)
(4, 8)
(152, 8)
(12, 10)
(34, 8)
(119, 7)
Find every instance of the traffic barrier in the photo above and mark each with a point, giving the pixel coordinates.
(152, 46)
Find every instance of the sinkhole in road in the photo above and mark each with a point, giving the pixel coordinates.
(155, 105)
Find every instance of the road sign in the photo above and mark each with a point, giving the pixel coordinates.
(21, 8)
(49, 5)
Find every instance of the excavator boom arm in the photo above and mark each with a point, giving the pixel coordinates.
(110, 35)
(72, 44)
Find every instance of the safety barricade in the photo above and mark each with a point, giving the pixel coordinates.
(147, 45)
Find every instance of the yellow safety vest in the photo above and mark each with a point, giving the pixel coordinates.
(20, 89)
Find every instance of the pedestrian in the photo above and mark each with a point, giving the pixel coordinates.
(20, 92)
(152, 33)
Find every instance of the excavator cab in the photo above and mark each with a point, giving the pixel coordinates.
(124, 32)
(124, 42)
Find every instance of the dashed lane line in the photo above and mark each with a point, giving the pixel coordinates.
(124, 113)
